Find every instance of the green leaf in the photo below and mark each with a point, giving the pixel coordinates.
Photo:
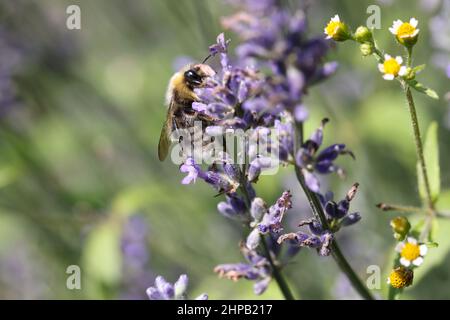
(422, 89)
(431, 154)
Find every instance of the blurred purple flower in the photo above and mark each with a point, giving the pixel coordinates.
(440, 37)
(135, 257)
(11, 58)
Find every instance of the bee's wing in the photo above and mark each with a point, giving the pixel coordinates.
(164, 139)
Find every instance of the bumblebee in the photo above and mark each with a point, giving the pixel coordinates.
(179, 98)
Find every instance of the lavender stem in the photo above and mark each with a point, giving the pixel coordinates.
(277, 274)
(338, 256)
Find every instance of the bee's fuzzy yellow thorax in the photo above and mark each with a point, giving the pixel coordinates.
(179, 90)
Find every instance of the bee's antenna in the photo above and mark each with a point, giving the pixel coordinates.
(206, 59)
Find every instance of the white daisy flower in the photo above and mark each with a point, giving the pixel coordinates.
(392, 67)
(406, 32)
(411, 252)
(336, 29)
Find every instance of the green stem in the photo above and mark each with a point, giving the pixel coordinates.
(276, 272)
(340, 259)
(317, 209)
(418, 143)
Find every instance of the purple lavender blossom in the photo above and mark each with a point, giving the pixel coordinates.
(271, 221)
(275, 37)
(163, 290)
(311, 161)
(234, 207)
(338, 213)
(242, 97)
(220, 180)
(337, 216)
(319, 238)
(256, 269)
(267, 220)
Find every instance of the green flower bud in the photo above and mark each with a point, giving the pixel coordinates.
(410, 73)
(366, 49)
(401, 227)
(363, 34)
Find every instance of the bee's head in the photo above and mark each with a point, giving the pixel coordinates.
(196, 75)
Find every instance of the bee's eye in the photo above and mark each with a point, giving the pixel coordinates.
(193, 77)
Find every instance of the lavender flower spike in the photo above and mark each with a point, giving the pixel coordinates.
(221, 46)
(163, 290)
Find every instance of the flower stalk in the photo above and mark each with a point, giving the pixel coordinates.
(336, 252)
(418, 144)
(276, 272)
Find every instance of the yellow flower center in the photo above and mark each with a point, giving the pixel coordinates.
(401, 277)
(333, 27)
(391, 66)
(405, 30)
(410, 251)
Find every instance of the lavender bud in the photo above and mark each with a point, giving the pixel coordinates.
(231, 170)
(342, 208)
(226, 209)
(165, 288)
(311, 181)
(254, 171)
(300, 113)
(317, 135)
(237, 204)
(351, 219)
(153, 294)
(331, 209)
(258, 209)
(256, 166)
(181, 286)
(253, 239)
(203, 296)
(261, 286)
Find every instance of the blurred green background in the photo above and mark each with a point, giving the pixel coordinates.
(78, 164)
